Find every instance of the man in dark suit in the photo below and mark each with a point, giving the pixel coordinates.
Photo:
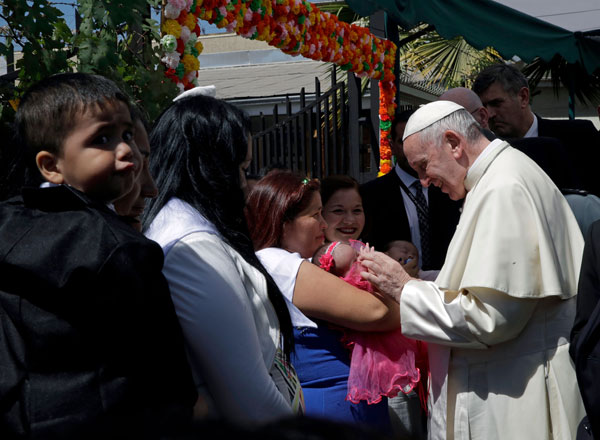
(585, 343)
(392, 213)
(583, 141)
(504, 92)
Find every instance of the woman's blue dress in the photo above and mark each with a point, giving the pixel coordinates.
(323, 365)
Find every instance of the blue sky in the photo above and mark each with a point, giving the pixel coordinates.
(69, 16)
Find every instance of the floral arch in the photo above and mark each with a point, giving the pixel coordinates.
(297, 27)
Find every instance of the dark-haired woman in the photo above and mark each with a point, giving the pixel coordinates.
(234, 318)
(342, 208)
(285, 221)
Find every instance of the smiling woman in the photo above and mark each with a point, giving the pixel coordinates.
(342, 208)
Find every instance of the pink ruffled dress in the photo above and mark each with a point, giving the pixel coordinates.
(383, 363)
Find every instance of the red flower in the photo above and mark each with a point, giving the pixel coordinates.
(326, 262)
(182, 17)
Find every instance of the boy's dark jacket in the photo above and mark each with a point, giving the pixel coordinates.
(90, 346)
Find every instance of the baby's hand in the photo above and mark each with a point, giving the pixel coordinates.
(366, 249)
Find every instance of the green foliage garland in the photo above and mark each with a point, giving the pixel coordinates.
(117, 39)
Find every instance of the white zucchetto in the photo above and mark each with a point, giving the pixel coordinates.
(429, 114)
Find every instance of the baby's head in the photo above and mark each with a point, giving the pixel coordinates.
(77, 130)
(336, 257)
(406, 254)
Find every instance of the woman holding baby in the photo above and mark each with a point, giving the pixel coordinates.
(284, 214)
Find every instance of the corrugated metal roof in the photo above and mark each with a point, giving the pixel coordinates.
(248, 81)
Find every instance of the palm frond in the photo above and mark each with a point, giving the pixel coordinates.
(342, 10)
(585, 87)
(450, 63)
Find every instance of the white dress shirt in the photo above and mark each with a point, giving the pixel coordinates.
(533, 130)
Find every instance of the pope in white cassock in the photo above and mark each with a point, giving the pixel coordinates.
(498, 317)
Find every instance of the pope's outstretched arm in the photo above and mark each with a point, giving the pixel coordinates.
(477, 317)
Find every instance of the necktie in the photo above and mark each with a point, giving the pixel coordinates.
(423, 215)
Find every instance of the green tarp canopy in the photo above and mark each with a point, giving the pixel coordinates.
(565, 27)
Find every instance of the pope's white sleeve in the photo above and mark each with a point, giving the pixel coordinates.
(218, 325)
(474, 318)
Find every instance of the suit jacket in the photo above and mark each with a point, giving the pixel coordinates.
(585, 336)
(582, 141)
(551, 156)
(386, 218)
(90, 346)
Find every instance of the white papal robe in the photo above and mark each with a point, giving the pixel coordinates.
(498, 316)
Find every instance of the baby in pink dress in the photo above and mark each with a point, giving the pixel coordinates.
(382, 363)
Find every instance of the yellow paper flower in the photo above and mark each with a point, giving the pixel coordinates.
(385, 166)
(190, 63)
(264, 35)
(269, 9)
(172, 27)
(191, 21)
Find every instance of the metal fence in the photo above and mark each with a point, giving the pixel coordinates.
(313, 141)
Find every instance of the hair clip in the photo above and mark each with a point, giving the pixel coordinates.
(305, 181)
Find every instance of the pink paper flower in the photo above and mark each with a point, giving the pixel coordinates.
(171, 59)
(326, 262)
(185, 34)
(172, 11)
(179, 4)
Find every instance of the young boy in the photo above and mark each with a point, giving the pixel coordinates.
(90, 346)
